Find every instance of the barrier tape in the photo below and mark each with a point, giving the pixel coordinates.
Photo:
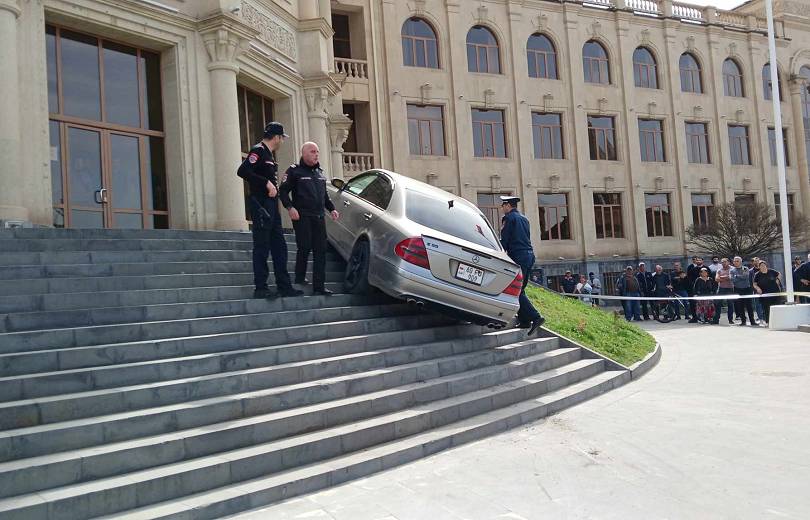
(684, 298)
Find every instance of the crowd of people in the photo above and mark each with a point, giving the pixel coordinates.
(680, 290)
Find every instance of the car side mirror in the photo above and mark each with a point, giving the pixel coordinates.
(338, 183)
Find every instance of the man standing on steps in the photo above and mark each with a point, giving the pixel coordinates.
(517, 242)
(260, 171)
(306, 183)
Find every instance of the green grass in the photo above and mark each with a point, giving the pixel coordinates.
(592, 327)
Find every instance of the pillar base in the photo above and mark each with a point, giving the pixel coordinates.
(231, 225)
(789, 317)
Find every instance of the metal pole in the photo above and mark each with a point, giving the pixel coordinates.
(780, 154)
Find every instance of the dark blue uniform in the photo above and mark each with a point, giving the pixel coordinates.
(516, 240)
(257, 169)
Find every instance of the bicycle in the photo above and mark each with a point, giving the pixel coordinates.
(669, 310)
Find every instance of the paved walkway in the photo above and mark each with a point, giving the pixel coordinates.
(719, 429)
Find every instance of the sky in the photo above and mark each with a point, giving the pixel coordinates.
(722, 4)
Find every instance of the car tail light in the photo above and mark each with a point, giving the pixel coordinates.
(515, 287)
(413, 251)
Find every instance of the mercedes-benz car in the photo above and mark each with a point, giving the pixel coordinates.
(421, 244)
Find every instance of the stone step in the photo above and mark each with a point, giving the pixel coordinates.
(102, 429)
(40, 320)
(18, 272)
(96, 300)
(64, 349)
(70, 406)
(171, 481)
(266, 490)
(24, 245)
(182, 369)
(34, 474)
(112, 257)
(54, 286)
(173, 234)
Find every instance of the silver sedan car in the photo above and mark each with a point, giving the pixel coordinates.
(423, 245)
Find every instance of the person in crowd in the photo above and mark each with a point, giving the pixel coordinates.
(724, 286)
(517, 242)
(596, 288)
(661, 287)
(802, 280)
(714, 266)
(680, 286)
(568, 283)
(584, 287)
(797, 261)
(644, 278)
(627, 285)
(753, 269)
(692, 274)
(742, 287)
(768, 281)
(704, 286)
(303, 193)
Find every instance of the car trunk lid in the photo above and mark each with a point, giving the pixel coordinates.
(468, 266)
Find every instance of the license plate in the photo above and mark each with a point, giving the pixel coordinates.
(470, 274)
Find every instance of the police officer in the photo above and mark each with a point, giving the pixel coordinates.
(306, 183)
(516, 240)
(259, 169)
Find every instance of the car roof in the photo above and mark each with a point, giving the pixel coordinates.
(422, 187)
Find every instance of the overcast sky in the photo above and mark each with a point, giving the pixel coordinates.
(722, 4)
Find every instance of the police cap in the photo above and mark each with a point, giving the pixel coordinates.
(274, 128)
(509, 199)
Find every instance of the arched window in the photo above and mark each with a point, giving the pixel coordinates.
(483, 54)
(732, 79)
(595, 62)
(645, 70)
(542, 57)
(766, 82)
(419, 45)
(690, 74)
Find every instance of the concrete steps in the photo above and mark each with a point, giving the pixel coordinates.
(143, 386)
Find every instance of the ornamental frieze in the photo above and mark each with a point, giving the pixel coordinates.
(270, 31)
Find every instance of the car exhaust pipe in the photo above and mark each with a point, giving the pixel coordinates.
(411, 301)
(420, 304)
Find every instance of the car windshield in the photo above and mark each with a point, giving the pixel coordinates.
(459, 219)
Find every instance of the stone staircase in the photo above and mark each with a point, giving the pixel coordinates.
(139, 380)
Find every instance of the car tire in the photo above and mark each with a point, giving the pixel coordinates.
(355, 280)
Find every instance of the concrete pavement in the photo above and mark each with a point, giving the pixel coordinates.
(719, 429)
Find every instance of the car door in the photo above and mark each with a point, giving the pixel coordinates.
(345, 230)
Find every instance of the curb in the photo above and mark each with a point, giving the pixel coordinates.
(645, 365)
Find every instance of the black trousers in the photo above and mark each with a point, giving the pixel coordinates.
(310, 236)
(743, 306)
(526, 313)
(268, 238)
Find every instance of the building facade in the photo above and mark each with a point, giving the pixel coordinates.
(618, 122)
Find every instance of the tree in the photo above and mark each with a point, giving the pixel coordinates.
(745, 229)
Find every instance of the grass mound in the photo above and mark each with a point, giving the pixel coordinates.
(594, 328)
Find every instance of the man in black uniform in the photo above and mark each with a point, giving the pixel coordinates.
(517, 243)
(307, 184)
(260, 170)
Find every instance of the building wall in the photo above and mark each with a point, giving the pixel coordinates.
(569, 26)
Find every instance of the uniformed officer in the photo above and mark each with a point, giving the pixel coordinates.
(259, 169)
(516, 240)
(306, 183)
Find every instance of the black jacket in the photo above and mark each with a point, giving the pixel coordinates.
(705, 287)
(679, 283)
(645, 283)
(259, 167)
(308, 188)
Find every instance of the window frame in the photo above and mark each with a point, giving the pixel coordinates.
(733, 84)
(657, 136)
(658, 216)
(594, 134)
(702, 214)
(425, 40)
(431, 122)
(588, 63)
(772, 145)
(485, 48)
(650, 70)
(702, 143)
(741, 145)
(694, 74)
(553, 131)
(547, 234)
(491, 208)
(491, 125)
(767, 87)
(538, 54)
(602, 210)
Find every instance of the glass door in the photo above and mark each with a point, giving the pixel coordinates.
(86, 194)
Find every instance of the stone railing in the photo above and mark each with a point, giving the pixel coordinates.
(729, 18)
(687, 12)
(357, 69)
(605, 3)
(644, 6)
(354, 163)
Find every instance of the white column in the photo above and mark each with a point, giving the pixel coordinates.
(339, 126)
(796, 86)
(223, 47)
(11, 186)
(317, 118)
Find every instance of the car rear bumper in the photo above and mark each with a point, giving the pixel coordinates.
(405, 284)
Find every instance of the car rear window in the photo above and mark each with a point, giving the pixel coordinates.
(462, 220)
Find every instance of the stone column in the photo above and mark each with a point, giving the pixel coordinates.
(339, 126)
(796, 87)
(317, 117)
(224, 45)
(11, 186)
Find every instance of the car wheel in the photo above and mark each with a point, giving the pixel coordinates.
(356, 278)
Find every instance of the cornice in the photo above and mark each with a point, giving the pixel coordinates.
(316, 24)
(12, 6)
